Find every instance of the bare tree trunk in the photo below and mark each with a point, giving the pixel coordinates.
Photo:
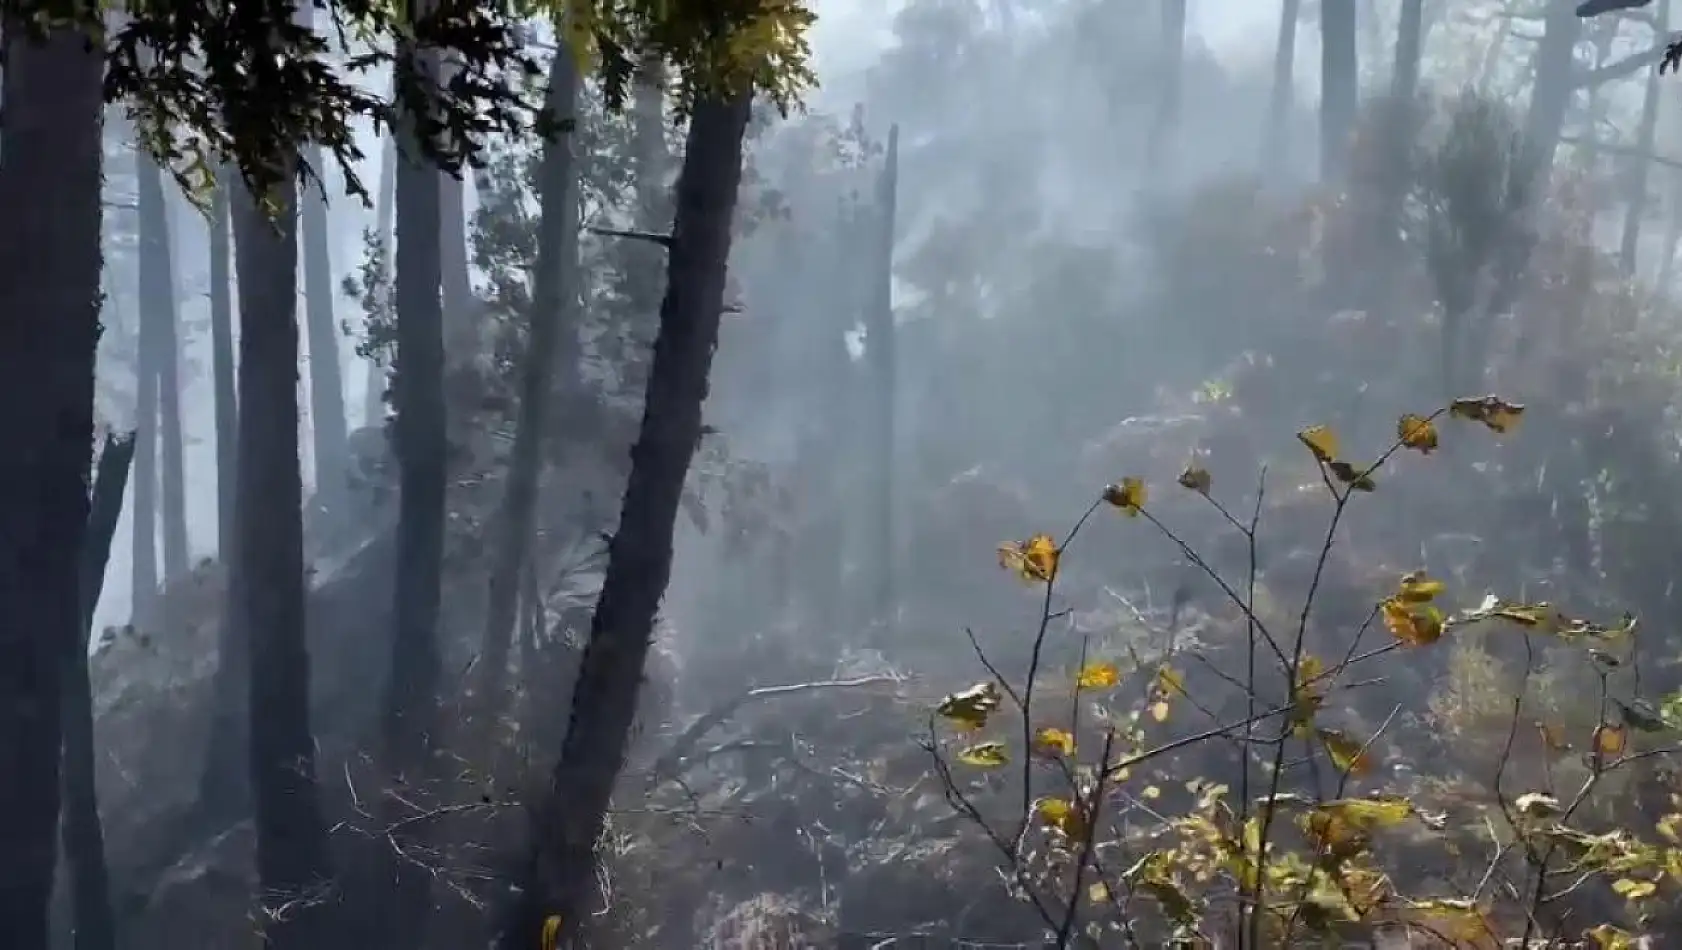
(1339, 86)
(373, 400)
(558, 879)
(172, 484)
(266, 580)
(84, 835)
(1169, 81)
(880, 349)
(222, 364)
(1410, 43)
(327, 387)
(554, 306)
(1276, 137)
(1640, 164)
(49, 293)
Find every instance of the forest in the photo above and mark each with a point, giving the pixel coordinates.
(796, 474)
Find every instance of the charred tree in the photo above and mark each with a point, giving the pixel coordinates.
(554, 306)
(1339, 86)
(222, 363)
(84, 835)
(559, 876)
(172, 480)
(49, 291)
(266, 580)
(1640, 164)
(884, 373)
(1275, 137)
(1170, 81)
(327, 387)
(1410, 47)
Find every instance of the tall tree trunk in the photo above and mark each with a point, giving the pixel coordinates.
(222, 364)
(880, 349)
(554, 305)
(420, 440)
(156, 301)
(1339, 86)
(266, 578)
(84, 835)
(224, 782)
(1276, 137)
(1550, 95)
(1640, 164)
(385, 210)
(327, 387)
(1170, 80)
(49, 293)
(1410, 45)
(559, 877)
(172, 481)
(644, 262)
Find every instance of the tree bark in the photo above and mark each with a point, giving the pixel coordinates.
(266, 580)
(880, 350)
(1276, 137)
(224, 782)
(1339, 86)
(1640, 165)
(84, 835)
(554, 306)
(1410, 42)
(153, 293)
(327, 387)
(385, 210)
(49, 292)
(558, 878)
(172, 481)
(1173, 66)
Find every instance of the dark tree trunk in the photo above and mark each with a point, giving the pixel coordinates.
(327, 387)
(1276, 137)
(172, 481)
(1640, 165)
(224, 784)
(559, 879)
(153, 294)
(880, 350)
(1170, 78)
(1410, 40)
(1339, 86)
(222, 364)
(420, 442)
(385, 210)
(1550, 95)
(49, 294)
(84, 835)
(266, 580)
(554, 305)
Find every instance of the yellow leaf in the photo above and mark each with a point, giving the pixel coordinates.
(1159, 711)
(1610, 740)
(1307, 694)
(1633, 889)
(551, 931)
(1098, 893)
(1196, 478)
(986, 755)
(969, 709)
(1356, 478)
(1061, 814)
(1169, 682)
(1495, 413)
(1554, 737)
(1382, 811)
(1100, 675)
(1033, 560)
(1417, 625)
(1052, 742)
(1150, 793)
(1128, 495)
(1459, 920)
(1608, 937)
(1321, 441)
(1417, 433)
(1670, 826)
(1346, 753)
(1418, 588)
